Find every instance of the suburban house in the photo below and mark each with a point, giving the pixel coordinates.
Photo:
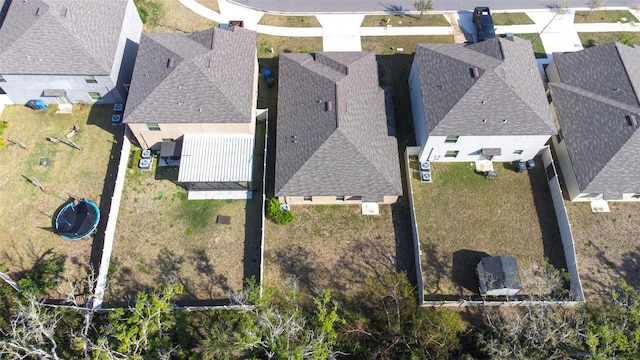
(67, 51)
(596, 102)
(193, 99)
(482, 101)
(335, 140)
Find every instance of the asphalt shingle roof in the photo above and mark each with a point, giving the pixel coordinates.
(508, 87)
(204, 77)
(61, 37)
(332, 134)
(594, 116)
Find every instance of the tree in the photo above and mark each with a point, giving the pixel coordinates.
(593, 5)
(614, 331)
(394, 326)
(423, 6)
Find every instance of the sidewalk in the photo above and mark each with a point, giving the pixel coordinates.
(342, 32)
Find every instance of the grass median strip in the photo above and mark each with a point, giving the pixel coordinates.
(405, 20)
(519, 18)
(289, 21)
(604, 16)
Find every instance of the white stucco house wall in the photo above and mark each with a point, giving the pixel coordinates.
(479, 101)
(596, 103)
(63, 51)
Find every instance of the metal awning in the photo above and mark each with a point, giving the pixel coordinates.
(54, 92)
(491, 151)
(216, 158)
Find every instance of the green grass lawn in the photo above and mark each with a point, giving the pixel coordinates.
(27, 211)
(604, 16)
(511, 19)
(536, 43)
(405, 20)
(462, 217)
(388, 45)
(599, 38)
(289, 21)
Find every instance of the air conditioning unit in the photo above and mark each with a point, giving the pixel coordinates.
(425, 176)
(425, 166)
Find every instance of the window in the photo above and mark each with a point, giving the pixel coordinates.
(452, 139)
(153, 126)
(451, 153)
(95, 96)
(339, 198)
(307, 198)
(2, 79)
(518, 152)
(165, 139)
(90, 79)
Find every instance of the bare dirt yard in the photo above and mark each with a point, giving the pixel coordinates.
(463, 217)
(335, 247)
(607, 247)
(27, 212)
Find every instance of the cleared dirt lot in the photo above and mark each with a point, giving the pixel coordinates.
(27, 211)
(463, 217)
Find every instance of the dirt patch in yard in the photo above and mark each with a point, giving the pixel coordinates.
(607, 247)
(335, 247)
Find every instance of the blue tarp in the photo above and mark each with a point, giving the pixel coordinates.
(36, 104)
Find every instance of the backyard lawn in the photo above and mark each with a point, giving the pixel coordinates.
(26, 227)
(607, 246)
(335, 247)
(171, 16)
(162, 237)
(462, 217)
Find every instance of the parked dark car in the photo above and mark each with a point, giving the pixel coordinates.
(484, 23)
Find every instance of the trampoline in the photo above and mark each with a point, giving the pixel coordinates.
(77, 219)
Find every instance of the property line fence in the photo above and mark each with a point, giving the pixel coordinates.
(264, 197)
(112, 220)
(577, 295)
(564, 225)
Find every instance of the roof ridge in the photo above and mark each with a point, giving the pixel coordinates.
(373, 163)
(597, 97)
(82, 43)
(211, 80)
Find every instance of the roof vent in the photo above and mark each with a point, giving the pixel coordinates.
(207, 63)
(484, 121)
(39, 11)
(475, 72)
(171, 62)
(213, 38)
(328, 106)
(63, 11)
(633, 120)
(504, 121)
(294, 139)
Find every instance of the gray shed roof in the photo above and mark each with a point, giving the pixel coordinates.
(333, 136)
(499, 272)
(61, 37)
(471, 89)
(203, 77)
(598, 92)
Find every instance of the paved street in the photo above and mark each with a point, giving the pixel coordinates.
(328, 6)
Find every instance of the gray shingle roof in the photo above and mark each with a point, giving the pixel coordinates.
(204, 77)
(508, 87)
(500, 272)
(61, 37)
(332, 135)
(593, 116)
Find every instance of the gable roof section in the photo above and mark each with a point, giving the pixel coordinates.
(61, 37)
(507, 87)
(594, 119)
(204, 77)
(332, 136)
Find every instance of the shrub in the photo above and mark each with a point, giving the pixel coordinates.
(281, 217)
